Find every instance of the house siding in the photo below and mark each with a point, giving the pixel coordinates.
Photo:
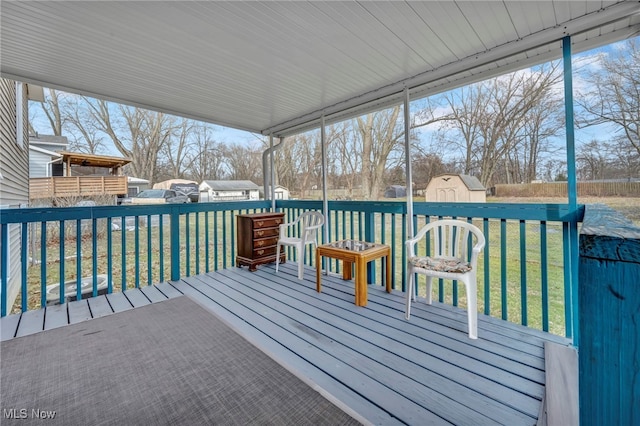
(14, 167)
(38, 164)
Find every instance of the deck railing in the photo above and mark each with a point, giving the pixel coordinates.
(525, 272)
(76, 186)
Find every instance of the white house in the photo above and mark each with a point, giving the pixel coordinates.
(14, 167)
(226, 190)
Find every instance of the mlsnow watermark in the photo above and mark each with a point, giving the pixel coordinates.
(24, 413)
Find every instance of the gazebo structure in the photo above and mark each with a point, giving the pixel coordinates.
(88, 183)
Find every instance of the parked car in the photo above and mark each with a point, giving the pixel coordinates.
(159, 196)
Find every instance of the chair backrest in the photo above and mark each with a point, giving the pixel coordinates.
(311, 222)
(452, 238)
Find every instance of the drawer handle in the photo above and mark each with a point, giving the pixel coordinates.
(278, 221)
(260, 222)
(260, 243)
(260, 233)
(260, 252)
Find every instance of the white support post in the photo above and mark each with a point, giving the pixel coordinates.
(272, 174)
(325, 201)
(407, 157)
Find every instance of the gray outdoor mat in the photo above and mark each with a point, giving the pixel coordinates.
(171, 362)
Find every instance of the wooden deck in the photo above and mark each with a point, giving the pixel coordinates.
(391, 371)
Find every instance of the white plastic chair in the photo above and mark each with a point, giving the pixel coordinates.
(450, 243)
(309, 222)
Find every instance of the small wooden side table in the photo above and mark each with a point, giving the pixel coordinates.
(360, 253)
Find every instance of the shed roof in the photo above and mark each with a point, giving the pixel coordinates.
(275, 66)
(471, 182)
(231, 185)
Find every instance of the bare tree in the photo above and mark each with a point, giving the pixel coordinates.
(136, 133)
(491, 121)
(243, 162)
(78, 116)
(613, 96)
(591, 161)
(176, 153)
(380, 134)
(299, 162)
(625, 159)
(205, 162)
(343, 156)
(52, 111)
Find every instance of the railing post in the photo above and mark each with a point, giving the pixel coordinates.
(609, 322)
(175, 244)
(370, 235)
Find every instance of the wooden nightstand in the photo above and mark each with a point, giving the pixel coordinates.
(257, 239)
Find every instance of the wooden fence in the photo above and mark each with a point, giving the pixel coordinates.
(559, 189)
(73, 186)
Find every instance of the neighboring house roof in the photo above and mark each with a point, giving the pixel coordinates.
(135, 180)
(276, 187)
(231, 185)
(50, 142)
(52, 154)
(166, 184)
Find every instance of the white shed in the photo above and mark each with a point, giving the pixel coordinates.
(456, 188)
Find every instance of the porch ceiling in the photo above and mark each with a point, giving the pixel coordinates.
(271, 66)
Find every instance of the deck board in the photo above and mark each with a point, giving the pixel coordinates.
(78, 311)
(562, 385)
(153, 294)
(56, 316)
(389, 370)
(30, 322)
(168, 290)
(118, 302)
(136, 297)
(8, 326)
(99, 306)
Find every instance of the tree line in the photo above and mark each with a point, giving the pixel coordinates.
(507, 129)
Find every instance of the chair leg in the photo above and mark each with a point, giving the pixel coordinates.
(300, 262)
(472, 306)
(277, 256)
(429, 289)
(409, 295)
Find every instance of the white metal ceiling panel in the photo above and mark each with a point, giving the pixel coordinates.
(276, 65)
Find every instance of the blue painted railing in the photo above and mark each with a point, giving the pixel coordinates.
(131, 245)
(525, 274)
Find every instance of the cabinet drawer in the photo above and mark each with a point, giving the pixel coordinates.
(266, 232)
(257, 253)
(265, 242)
(270, 222)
